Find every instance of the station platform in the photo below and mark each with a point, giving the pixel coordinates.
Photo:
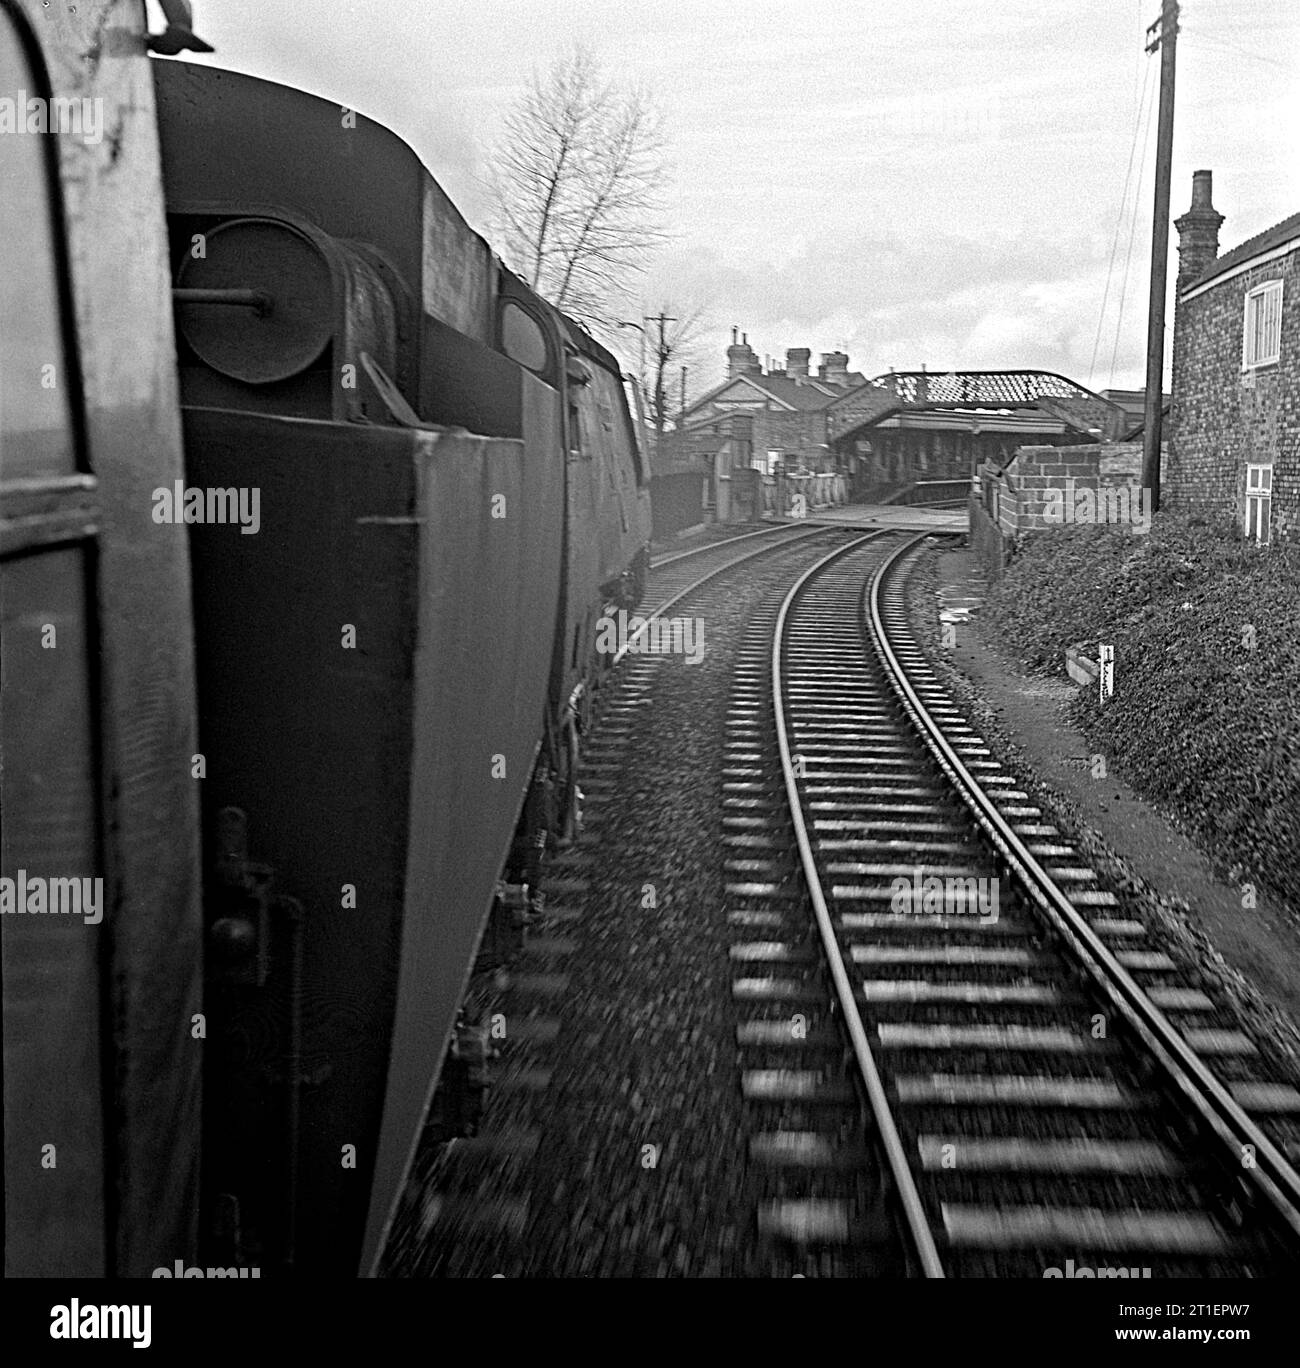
(905, 517)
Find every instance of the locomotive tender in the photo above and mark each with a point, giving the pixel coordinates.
(309, 753)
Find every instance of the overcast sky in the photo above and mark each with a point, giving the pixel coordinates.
(925, 181)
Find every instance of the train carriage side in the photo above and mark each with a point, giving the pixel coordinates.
(102, 1055)
(608, 493)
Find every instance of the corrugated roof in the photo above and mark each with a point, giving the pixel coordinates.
(1252, 247)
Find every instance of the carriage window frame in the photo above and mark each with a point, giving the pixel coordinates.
(635, 427)
(75, 475)
(510, 309)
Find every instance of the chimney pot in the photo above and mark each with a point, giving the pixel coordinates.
(1198, 231)
(742, 360)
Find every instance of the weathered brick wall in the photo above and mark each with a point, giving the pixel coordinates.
(800, 436)
(1052, 486)
(1218, 426)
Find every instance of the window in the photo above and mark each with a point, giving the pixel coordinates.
(1262, 336)
(636, 417)
(1259, 501)
(37, 422)
(522, 338)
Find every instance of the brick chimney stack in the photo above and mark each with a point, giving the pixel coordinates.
(1198, 231)
(834, 369)
(741, 358)
(797, 360)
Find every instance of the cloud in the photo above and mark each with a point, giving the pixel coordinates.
(954, 302)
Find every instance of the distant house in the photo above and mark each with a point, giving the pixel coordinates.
(783, 410)
(892, 430)
(1234, 431)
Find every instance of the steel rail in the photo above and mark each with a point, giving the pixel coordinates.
(1271, 1172)
(662, 608)
(918, 1225)
(722, 541)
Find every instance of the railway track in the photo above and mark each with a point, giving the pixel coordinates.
(926, 1089)
(674, 576)
(1037, 1083)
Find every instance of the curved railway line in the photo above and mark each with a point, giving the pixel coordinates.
(929, 1085)
(1043, 1084)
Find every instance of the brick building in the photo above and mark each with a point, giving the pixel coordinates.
(783, 410)
(1234, 430)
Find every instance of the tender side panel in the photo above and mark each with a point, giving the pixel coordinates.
(459, 276)
(306, 631)
(465, 384)
(489, 593)
(607, 507)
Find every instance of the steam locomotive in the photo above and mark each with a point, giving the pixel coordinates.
(309, 509)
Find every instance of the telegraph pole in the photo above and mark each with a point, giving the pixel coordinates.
(661, 359)
(1163, 34)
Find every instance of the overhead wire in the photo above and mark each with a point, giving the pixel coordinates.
(1119, 216)
(1132, 232)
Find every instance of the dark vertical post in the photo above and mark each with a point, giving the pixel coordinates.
(1166, 34)
(661, 360)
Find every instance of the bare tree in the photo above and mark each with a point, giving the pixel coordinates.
(578, 181)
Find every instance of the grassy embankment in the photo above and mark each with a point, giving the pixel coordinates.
(1205, 717)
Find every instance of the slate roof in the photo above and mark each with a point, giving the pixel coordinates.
(805, 396)
(1252, 247)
